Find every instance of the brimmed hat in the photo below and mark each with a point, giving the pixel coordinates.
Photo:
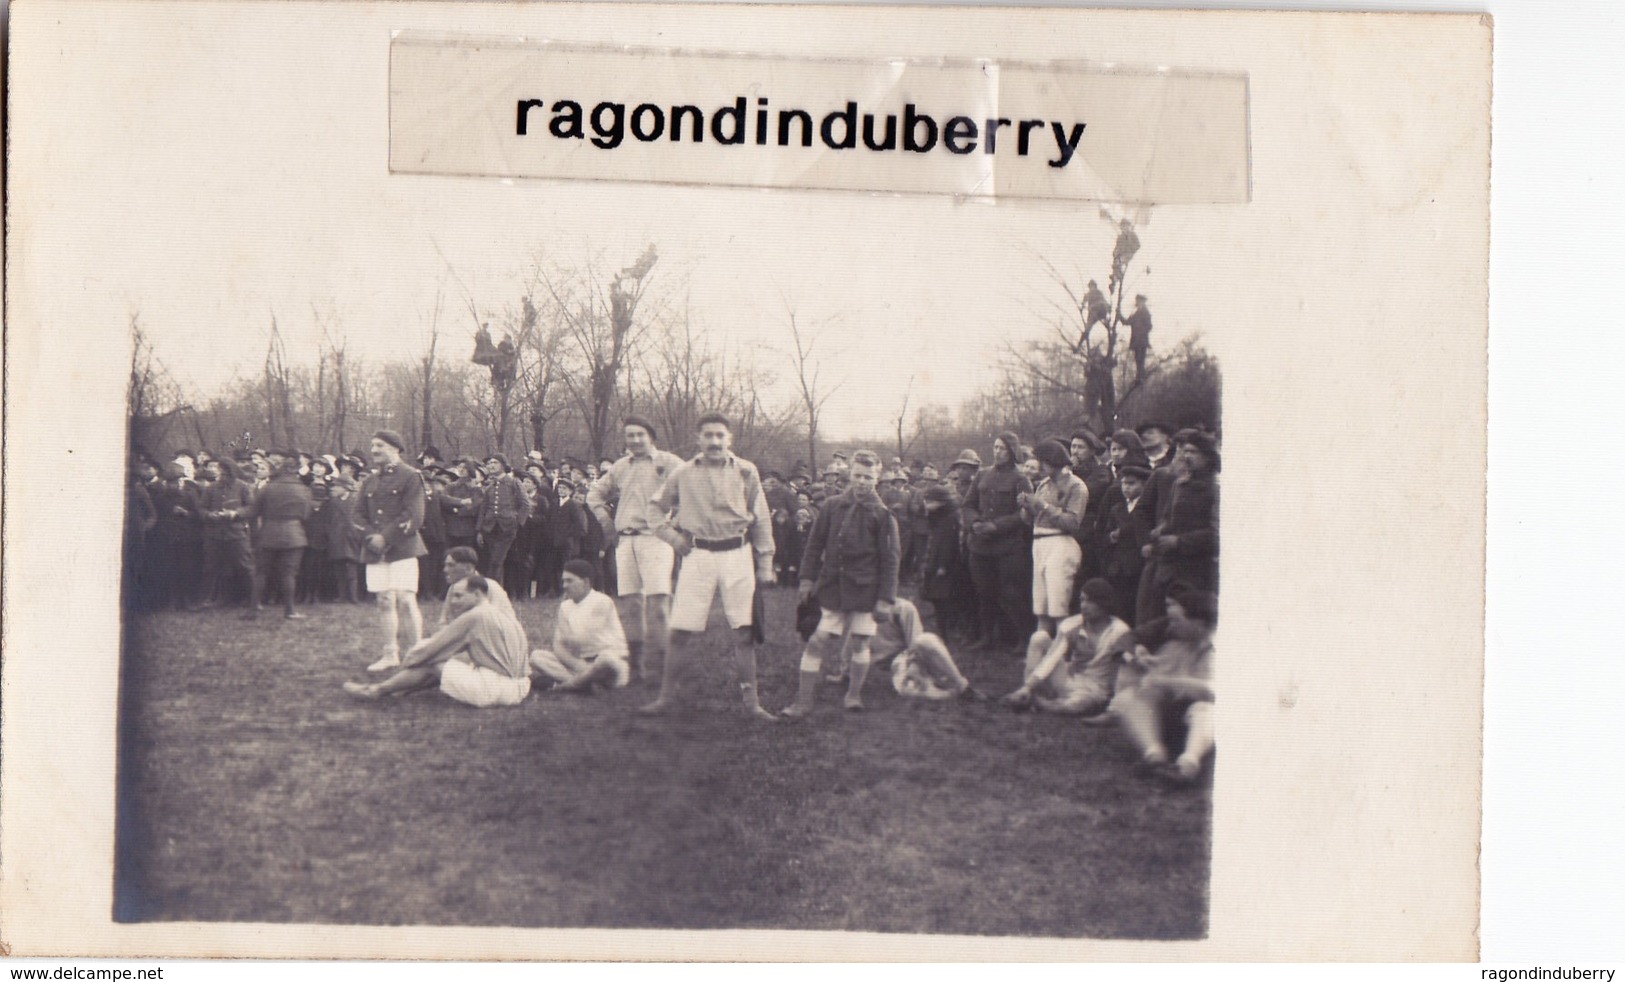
(967, 458)
(500, 458)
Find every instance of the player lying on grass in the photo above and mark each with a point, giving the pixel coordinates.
(1077, 671)
(478, 658)
(589, 645)
(922, 666)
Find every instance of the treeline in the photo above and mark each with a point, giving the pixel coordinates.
(574, 349)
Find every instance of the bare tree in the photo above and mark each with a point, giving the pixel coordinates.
(814, 387)
(279, 421)
(155, 401)
(337, 343)
(1071, 362)
(603, 324)
(902, 418)
(543, 367)
(428, 372)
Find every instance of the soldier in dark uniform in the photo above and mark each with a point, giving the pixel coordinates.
(228, 553)
(390, 514)
(282, 509)
(502, 510)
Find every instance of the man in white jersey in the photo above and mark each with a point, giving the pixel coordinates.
(643, 561)
(589, 647)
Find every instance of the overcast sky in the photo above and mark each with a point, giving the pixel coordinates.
(224, 205)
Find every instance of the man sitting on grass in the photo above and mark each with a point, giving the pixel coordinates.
(462, 562)
(478, 658)
(589, 645)
(1177, 679)
(1076, 671)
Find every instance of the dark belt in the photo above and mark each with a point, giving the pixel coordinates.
(719, 545)
(630, 532)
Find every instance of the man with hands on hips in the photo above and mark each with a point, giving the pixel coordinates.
(711, 510)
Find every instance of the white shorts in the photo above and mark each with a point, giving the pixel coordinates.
(476, 686)
(402, 574)
(643, 566)
(704, 574)
(1055, 566)
(1078, 694)
(859, 622)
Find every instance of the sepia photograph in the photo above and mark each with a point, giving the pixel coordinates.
(553, 478)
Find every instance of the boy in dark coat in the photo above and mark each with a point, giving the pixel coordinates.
(344, 538)
(1128, 530)
(850, 563)
(941, 563)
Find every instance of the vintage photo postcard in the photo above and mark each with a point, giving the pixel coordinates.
(626, 482)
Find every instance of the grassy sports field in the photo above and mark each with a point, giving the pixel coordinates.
(253, 789)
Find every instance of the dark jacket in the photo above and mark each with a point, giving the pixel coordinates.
(941, 554)
(992, 498)
(504, 507)
(434, 521)
(282, 509)
(567, 529)
(852, 554)
(1193, 521)
(227, 504)
(391, 504)
(460, 509)
(1123, 558)
(343, 534)
(180, 521)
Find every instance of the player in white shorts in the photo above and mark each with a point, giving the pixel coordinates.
(712, 512)
(1055, 508)
(643, 562)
